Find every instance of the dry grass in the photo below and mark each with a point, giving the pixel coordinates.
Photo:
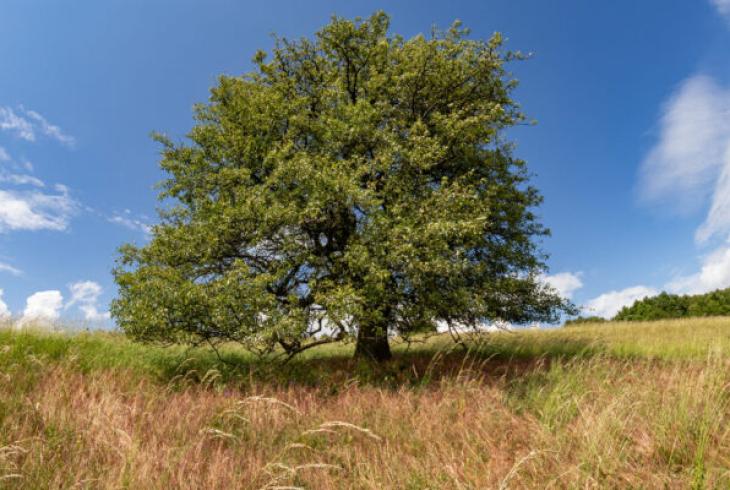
(520, 414)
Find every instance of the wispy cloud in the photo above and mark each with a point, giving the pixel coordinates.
(16, 124)
(4, 156)
(722, 6)
(10, 269)
(690, 163)
(85, 294)
(50, 130)
(718, 218)
(22, 208)
(128, 221)
(35, 210)
(43, 305)
(27, 124)
(21, 179)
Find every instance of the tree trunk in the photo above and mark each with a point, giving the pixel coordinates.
(372, 343)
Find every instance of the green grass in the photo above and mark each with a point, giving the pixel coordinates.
(89, 351)
(610, 405)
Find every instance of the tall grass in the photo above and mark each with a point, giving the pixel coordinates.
(609, 406)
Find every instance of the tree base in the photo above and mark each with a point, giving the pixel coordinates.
(372, 344)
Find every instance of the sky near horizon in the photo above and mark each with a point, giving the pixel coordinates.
(631, 149)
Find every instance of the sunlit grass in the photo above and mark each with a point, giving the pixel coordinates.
(609, 405)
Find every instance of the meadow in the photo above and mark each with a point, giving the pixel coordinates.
(613, 405)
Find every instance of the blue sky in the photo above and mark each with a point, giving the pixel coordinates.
(631, 150)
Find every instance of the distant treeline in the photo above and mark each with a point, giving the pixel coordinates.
(584, 319)
(666, 306)
(715, 303)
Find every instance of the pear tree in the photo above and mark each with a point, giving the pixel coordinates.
(356, 185)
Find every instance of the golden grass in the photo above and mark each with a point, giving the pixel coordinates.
(587, 407)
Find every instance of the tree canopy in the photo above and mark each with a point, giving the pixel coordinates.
(356, 184)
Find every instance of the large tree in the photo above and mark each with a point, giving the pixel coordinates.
(356, 184)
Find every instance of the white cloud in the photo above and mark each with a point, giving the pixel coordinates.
(21, 179)
(26, 124)
(51, 130)
(132, 223)
(92, 313)
(86, 294)
(691, 160)
(4, 311)
(566, 283)
(34, 210)
(718, 218)
(43, 305)
(608, 304)
(48, 305)
(714, 274)
(9, 268)
(31, 209)
(4, 157)
(21, 127)
(722, 6)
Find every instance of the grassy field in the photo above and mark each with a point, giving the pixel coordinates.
(641, 405)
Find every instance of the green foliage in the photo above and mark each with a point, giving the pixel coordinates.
(665, 306)
(584, 319)
(357, 183)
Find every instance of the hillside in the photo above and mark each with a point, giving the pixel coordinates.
(616, 405)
